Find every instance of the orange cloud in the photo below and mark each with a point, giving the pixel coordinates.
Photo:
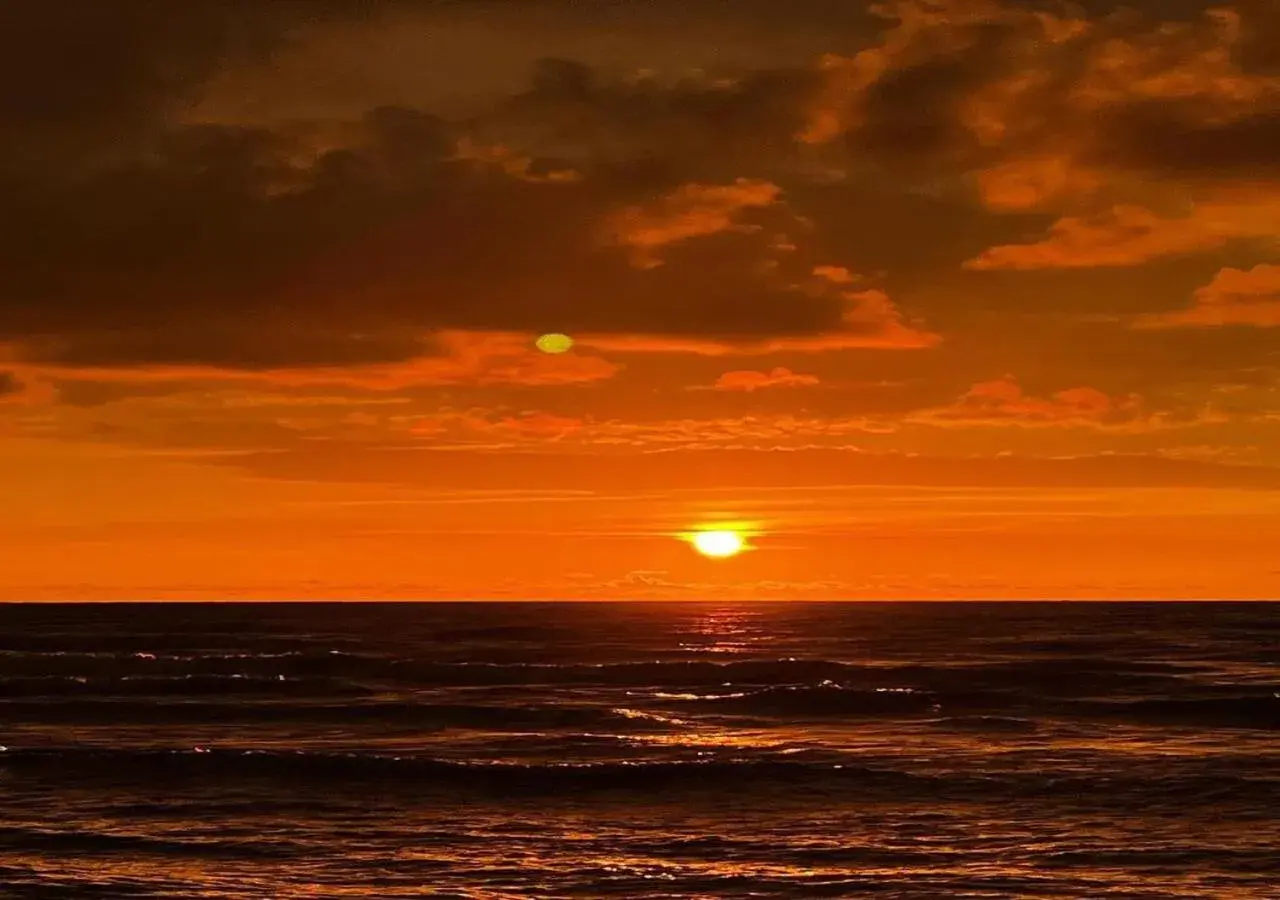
(1004, 400)
(466, 357)
(835, 274)
(512, 163)
(530, 425)
(1178, 61)
(1164, 118)
(693, 210)
(870, 321)
(1123, 236)
(1030, 182)
(1145, 116)
(466, 428)
(1234, 297)
(752, 381)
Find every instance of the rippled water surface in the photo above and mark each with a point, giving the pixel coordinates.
(640, 751)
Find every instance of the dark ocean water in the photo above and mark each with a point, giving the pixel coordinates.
(640, 751)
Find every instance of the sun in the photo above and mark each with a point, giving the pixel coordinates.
(718, 544)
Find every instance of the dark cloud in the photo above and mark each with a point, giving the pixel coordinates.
(908, 114)
(917, 117)
(224, 249)
(1153, 138)
(9, 385)
(1259, 48)
(82, 79)
(249, 247)
(696, 127)
(19, 389)
(255, 247)
(79, 77)
(244, 348)
(1054, 104)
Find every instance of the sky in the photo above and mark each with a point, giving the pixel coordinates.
(928, 299)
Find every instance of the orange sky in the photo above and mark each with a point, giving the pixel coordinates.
(937, 299)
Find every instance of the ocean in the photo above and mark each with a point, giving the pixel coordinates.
(495, 751)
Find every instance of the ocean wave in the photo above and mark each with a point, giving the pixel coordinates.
(1249, 711)
(87, 843)
(986, 724)
(654, 673)
(823, 699)
(51, 642)
(782, 853)
(413, 671)
(203, 762)
(397, 713)
(156, 663)
(1024, 676)
(762, 777)
(1243, 861)
(189, 685)
(503, 633)
(1057, 676)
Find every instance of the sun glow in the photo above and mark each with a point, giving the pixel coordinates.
(718, 544)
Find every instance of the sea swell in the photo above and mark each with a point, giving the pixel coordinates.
(1051, 675)
(822, 700)
(744, 777)
(495, 717)
(88, 843)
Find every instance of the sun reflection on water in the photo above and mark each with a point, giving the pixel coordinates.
(731, 629)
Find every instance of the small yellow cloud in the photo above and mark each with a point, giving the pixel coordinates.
(554, 343)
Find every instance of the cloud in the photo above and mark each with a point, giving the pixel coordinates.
(1234, 297)
(835, 274)
(1127, 235)
(870, 321)
(701, 127)
(1030, 182)
(735, 469)
(243, 349)
(690, 211)
(316, 251)
(753, 381)
(1155, 138)
(1152, 143)
(80, 80)
(1122, 236)
(1259, 47)
(11, 389)
(21, 391)
(1163, 120)
(513, 163)
(453, 357)
(945, 79)
(531, 427)
(1003, 400)
(234, 249)
(922, 63)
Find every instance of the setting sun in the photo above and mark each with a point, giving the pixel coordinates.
(718, 544)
